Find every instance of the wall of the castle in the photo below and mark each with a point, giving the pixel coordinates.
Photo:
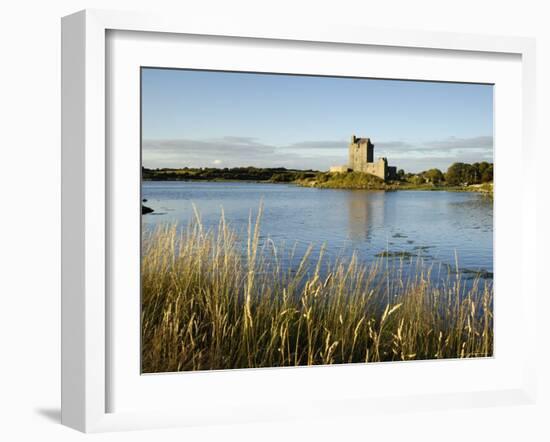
(357, 155)
(369, 151)
(379, 168)
(339, 169)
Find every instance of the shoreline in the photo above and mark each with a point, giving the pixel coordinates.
(386, 187)
(392, 187)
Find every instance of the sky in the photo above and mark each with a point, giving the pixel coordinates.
(227, 119)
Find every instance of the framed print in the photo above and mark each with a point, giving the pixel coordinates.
(260, 265)
(263, 224)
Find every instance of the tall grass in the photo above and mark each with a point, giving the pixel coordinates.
(208, 305)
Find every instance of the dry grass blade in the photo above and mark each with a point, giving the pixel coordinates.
(208, 304)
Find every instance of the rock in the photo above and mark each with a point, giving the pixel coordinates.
(144, 200)
(145, 210)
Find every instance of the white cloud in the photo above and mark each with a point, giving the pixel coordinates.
(235, 151)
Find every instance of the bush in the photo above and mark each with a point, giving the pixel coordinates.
(434, 176)
(416, 179)
(350, 180)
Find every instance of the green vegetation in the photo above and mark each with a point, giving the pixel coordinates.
(466, 174)
(460, 177)
(274, 175)
(206, 306)
(349, 180)
(475, 177)
(434, 176)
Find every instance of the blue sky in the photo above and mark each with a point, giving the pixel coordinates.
(222, 119)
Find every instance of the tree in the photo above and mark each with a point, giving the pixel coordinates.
(416, 179)
(482, 167)
(459, 174)
(487, 174)
(434, 176)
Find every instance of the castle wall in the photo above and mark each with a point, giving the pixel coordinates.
(357, 154)
(339, 169)
(369, 151)
(379, 168)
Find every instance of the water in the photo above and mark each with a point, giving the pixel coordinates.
(439, 226)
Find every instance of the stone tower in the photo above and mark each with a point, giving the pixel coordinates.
(361, 151)
(361, 159)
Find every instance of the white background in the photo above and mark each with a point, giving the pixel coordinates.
(30, 161)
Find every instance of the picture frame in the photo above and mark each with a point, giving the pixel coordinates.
(89, 361)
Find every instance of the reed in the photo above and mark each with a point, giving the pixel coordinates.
(208, 305)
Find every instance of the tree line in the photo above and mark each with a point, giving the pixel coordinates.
(458, 174)
(277, 174)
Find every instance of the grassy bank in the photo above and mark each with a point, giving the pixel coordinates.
(357, 180)
(304, 178)
(205, 306)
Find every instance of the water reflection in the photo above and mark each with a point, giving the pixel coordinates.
(366, 211)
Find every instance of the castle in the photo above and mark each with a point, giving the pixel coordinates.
(361, 159)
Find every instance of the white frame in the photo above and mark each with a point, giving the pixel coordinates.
(205, 391)
(84, 202)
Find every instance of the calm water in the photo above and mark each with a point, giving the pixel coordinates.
(435, 225)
